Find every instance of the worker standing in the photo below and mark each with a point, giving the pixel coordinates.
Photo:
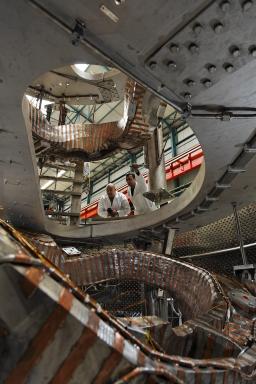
(113, 203)
(136, 187)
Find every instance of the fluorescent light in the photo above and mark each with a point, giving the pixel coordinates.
(50, 182)
(82, 67)
(60, 173)
(47, 184)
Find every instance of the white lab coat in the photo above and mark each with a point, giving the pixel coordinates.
(141, 204)
(120, 204)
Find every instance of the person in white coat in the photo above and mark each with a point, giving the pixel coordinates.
(113, 203)
(136, 187)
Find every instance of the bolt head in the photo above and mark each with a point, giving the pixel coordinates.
(211, 68)
(171, 65)
(197, 28)
(252, 51)
(229, 68)
(207, 83)
(152, 65)
(187, 96)
(190, 83)
(225, 6)
(218, 28)
(235, 51)
(174, 48)
(246, 5)
(193, 48)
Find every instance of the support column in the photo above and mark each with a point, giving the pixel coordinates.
(156, 161)
(63, 114)
(90, 193)
(77, 187)
(169, 242)
(239, 234)
(173, 137)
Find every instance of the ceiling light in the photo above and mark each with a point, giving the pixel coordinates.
(60, 84)
(67, 84)
(60, 173)
(46, 185)
(50, 182)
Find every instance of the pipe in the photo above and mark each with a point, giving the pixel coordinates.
(156, 161)
(219, 251)
(149, 371)
(239, 234)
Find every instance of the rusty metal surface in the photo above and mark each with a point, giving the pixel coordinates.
(152, 269)
(48, 247)
(96, 337)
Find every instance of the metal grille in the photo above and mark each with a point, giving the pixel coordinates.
(223, 263)
(132, 298)
(218, 235)
(120, 298)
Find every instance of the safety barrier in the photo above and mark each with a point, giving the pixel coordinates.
(174, 168)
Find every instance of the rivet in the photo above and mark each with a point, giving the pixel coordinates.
(218, 27)
(152, 65)
(228, 67)
(246, 5)
(193, 48)
(187, 96)
(235, 51)
(197, 28)
(225, 6)
(252, 50)
(207, 83)
(171, 65)
(211, 68)
(174, 48)
(190, 82)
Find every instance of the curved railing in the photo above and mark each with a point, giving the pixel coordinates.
(91, 141)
